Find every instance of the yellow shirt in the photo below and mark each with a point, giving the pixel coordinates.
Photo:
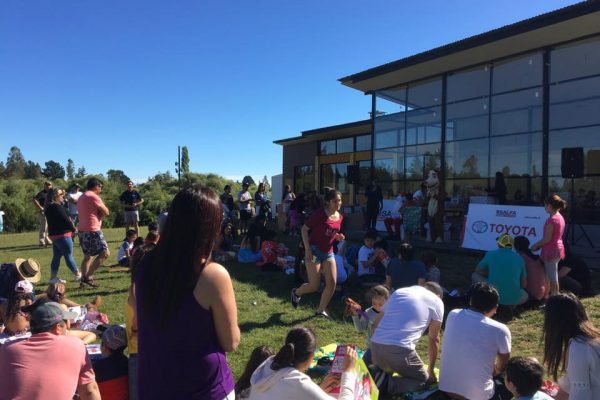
(132, 341)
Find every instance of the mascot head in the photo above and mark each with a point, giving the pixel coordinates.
(432, 181)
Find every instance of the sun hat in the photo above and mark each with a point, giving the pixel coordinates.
(23, 287)
(47, 315)
(29, 269)
(115, 337)
(505, 241)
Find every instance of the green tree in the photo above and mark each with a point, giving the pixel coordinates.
(116, 175)
(185, 160)
(32, 170)
(2, 168)
(248, 179)
(53, 170)
(70, 169)
(15, 163)
(80, 172)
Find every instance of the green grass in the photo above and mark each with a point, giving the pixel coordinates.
(264, 312)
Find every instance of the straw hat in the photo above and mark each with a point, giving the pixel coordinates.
(29, 269)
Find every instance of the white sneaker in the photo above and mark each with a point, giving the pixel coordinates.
(57, 280)
(77, 278)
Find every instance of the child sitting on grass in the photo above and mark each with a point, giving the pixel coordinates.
(368, 261)
(258, 356)
(524, 378)
(363, 320)
(126, 247)
(269, 250)
(112, 369)
(224, 247)
(430, 260)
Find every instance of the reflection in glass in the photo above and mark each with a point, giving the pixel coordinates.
(588, 138)
(467, 119)
(304, 178)
(421, 159)
(424, 126)
(389, 131)
(517, 112)
(425, 94)
(462, 189)
(467, 159)
(345, 145)
(334, 175)
(327, 147)
(517, 73)
(363, 143)
(468, 84)
(391, 101)
(517, 154)
(575, 60)
(389, 164)
(575, 103)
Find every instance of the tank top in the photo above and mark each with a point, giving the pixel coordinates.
(554, 249)
(183, 360)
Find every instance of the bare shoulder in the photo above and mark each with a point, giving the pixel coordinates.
(213, 280)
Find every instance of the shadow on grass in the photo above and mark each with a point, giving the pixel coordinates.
(274, 320)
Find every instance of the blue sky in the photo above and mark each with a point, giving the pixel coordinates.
(117, 84)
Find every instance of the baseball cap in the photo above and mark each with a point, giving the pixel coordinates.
(46, 315)
(506, 241)
(24, 287)
(115, 337)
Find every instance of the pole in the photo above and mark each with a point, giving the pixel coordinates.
(179, 166)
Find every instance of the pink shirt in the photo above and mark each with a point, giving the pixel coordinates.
(537, 282)
(555, 248)
(87, 206)
(45, 366)
(323, 230)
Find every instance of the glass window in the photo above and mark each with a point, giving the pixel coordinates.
(575, 60)
(463, 189)
(467, 159)
(389, 164)
(389, 131)
(516, 155)
(304, 179)
(575, 103)
(517, 73)
(424, 126)
(364, 169)
(517, 112)
(420, 159)
(523, 190)
(467, 119)
(468, 84)
(328, 147)
(391, 101)
(335, 176)
(363, 143)
(587, 200)
(588, 138)
(327, 175)
(345, 145)
(424, 94)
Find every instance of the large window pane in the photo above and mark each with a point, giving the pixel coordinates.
(587, 197)
(389, 164)
(364, 168)
(304, 179)
(391, 101)
(327, 175)
(575, 60)
(517, 112)
(334, 175)
(467, 159)
(524, 190)
(517, 73)
(421, 159)
(328, 147)
(341, 177)
(588, 138)
(425, 94)
(575, 103)
(424, 126)
(467, 119)
(468, 84)
(462, 189)
(363, 143)
(517, 154)
(345, 145)
(389, 131)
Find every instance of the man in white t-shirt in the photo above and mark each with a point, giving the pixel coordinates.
(476, 348)
(404, 318)
(244, 199)
(72, 197)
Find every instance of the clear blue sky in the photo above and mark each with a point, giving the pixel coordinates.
(118, 84)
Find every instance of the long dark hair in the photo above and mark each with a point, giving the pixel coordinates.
(253, 237)
(300, 343)
(258, 356)
(564, 319)
(185, 246)
(522, 246)
(14, 303)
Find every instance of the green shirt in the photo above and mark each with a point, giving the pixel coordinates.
(505, 271)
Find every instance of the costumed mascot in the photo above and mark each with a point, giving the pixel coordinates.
(435, 207)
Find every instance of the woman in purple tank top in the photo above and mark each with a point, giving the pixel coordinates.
(553, 249)
(186, 311)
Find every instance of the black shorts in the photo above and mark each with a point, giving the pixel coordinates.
(245, 215)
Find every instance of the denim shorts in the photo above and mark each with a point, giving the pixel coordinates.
(319, 255)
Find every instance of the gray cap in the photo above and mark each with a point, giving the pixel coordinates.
(46, 315)
(115, 337)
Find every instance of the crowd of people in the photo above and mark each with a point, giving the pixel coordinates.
(181, 312)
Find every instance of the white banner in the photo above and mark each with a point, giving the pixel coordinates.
(390, 209)
(485, 222)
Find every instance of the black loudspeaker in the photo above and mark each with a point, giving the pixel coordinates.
(571, 165)
(353, 174)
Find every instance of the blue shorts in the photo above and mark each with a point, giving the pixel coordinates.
(319, 255)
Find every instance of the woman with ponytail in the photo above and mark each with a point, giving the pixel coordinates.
(282, 375)
(551, 244)
(537, 283)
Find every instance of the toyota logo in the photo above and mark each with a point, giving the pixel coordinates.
(479, 227)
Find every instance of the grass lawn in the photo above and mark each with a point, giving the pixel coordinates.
(264, 312)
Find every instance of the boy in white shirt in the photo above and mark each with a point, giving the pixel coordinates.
(368, 257)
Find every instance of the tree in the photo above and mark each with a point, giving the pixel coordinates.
(80, 172)
(248, 179)
(185, 160)
(15, 163)
(116, 175)
(70, 169)
(32, 170)
(53, 170)
(2, 168)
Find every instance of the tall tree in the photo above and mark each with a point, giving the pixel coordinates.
(117, 175)
(32, 170)
(2, 168)
(53, 170)
(185, 160)
(80, 172)
(248, 179)
(70, 169)
(15, 163)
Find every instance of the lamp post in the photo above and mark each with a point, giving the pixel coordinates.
(178, 167)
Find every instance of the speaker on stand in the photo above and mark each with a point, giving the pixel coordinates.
(571, 167)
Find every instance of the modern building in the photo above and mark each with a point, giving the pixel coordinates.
(506, 101)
